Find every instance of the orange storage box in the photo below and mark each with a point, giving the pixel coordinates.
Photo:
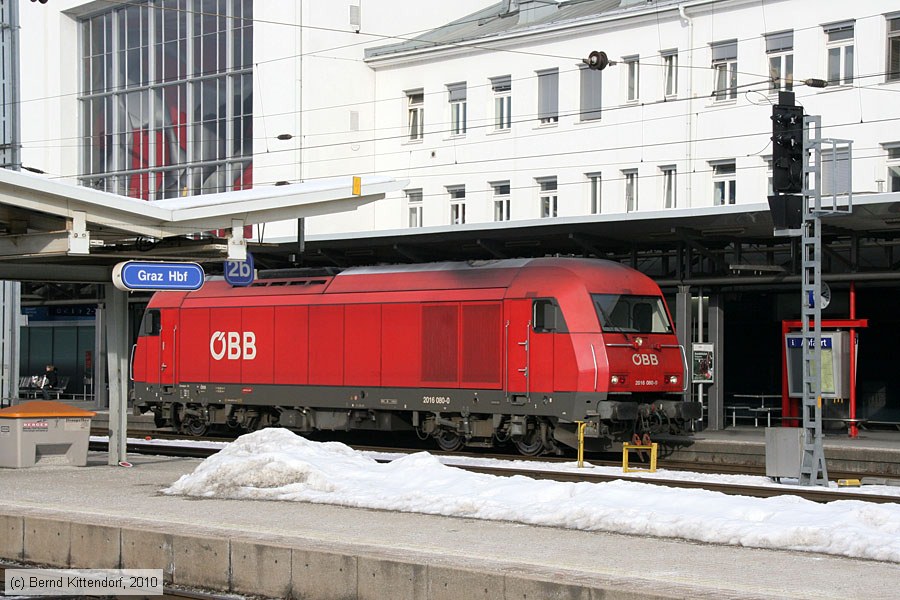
(44, 432)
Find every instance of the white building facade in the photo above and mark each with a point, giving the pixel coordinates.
(487, 108)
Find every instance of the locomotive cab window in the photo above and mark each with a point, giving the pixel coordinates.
(150, 325)
(631, 314)
(547, 317)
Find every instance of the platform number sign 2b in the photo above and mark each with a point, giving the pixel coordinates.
(239, 273)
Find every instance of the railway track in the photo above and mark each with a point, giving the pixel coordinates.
(610, 459)
(813, 494)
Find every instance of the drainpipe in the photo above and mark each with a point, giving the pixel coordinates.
(690, 104)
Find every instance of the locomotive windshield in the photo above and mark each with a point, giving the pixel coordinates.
(631, 314)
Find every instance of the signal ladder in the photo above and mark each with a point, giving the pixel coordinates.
(839, 153)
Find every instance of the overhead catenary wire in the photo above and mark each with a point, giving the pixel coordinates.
(404, 37)
(548, 132)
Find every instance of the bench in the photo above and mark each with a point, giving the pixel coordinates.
(759, 404)
(30, 387)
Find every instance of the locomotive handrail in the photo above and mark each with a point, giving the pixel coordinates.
(131, 363)
(619, 345)
(684, 363)
(594, 356)
(506, 358)
(527, 370)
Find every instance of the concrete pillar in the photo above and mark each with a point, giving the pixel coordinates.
(715, 392)
(10, 320)
(683, 329)
(101, 397)
(116, 334)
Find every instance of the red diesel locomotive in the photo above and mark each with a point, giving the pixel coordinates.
(470, 354)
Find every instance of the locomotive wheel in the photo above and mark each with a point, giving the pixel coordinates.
(195, 427)
(530, 445)
(448, 441)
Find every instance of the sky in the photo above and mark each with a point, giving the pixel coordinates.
(276, 464)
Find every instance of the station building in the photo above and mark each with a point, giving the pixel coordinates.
(513, 146)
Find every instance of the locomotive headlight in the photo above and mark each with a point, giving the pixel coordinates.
(616, 379)
(673, 379)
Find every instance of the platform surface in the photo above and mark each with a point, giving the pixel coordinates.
(629, 566)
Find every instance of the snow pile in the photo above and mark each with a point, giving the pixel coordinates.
(275, 464)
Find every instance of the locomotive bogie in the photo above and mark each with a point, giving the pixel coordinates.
(511, 351)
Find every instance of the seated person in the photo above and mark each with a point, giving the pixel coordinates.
(50, 380)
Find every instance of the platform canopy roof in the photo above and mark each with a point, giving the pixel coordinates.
(45, 219)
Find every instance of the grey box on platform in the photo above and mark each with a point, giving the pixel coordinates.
(784, 451)
(44, 432)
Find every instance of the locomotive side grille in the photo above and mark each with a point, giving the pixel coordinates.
(440, 342)
(481, 343)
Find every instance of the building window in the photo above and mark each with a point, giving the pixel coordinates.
(780, 51)
(457, 204)
(414, 207)
(669, 182)
(595, 183)
(893, 49)
(770, 176)
(548, 197)
(456, 93)
(724, 183)
(591, 88)
(631, 189)
(724, 64)
(548, 96)
(839, 48)
(893, 167)
(165, 110)
(355, 16)
(670, 72)
(415, 107)
(633, 78)
(501, 200)
(502, 88)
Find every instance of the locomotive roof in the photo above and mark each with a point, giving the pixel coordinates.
(520, 277)
(487, 274)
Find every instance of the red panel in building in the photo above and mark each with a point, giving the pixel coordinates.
(193, 360)
(257, 344)
(291, 345)
(326, 345)
(440, 344)
(401, 336)
(482, 345)
(225, 345)
(362, 344)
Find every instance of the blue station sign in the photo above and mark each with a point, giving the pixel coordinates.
(797, 342)
(240, 273)
(158, 276)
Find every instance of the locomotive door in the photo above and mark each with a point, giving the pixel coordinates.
(530, 325)
(518, 349)
(167, 351)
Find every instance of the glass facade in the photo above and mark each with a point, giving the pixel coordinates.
(167, 98)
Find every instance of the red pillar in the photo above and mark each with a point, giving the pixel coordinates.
(854, 429)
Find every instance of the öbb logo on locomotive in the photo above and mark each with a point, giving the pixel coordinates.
(480, 354)
(644, 359)
(232, 345)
